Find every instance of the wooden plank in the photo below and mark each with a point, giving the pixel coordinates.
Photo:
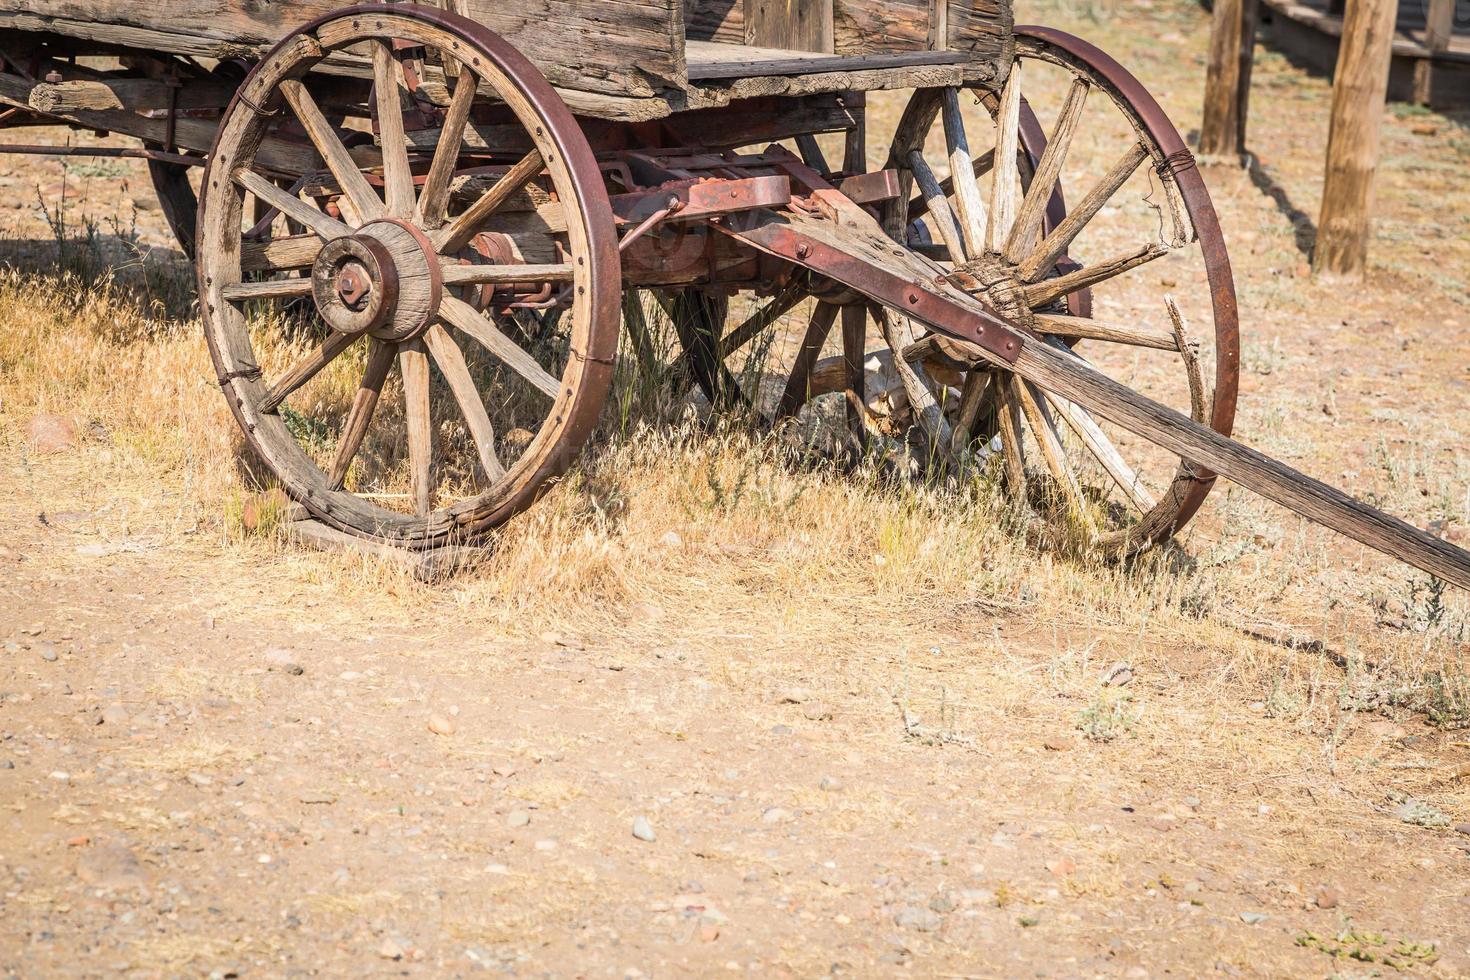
(981, 29)
(714, 20)
(1063, 374)
(709, 61)
(1358, 94)
(626, 48)
(1228, 78)
(796, 25)
(1439, 28)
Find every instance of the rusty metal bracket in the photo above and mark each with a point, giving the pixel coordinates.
(703, 199)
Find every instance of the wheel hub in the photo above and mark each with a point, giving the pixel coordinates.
(383, 280)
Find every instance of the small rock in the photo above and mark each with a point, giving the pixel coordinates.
(264, 511)
(643, 830)
(111, 866)
(775, 814)
(941, 902)
(1253, 918)
(1062, 867)
(6, 764)
(199, 779)
(1327, 897)
(115, 714)
(1192, 802)
(917, 918)
(781, 729)
(794, 695)
(51, 434)
(1059, 743)
(671, 539)
(1424, 129)
(518, 818)
(442, 725)
(284, 659)
(546, 845)
(831, 784)
(390, 950)
(48, 653)
(1118, 675)
(1463, 828)
(816, 711)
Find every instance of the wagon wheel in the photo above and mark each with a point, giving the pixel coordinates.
(1155, 264)
(422, 255)
(727, 364)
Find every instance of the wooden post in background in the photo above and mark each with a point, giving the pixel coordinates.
(1439, 25)
(1228, 81)
(1359, 92)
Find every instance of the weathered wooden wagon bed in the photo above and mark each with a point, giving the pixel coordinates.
(458, 210)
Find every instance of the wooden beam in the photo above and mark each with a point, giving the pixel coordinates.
(1358, 94)
(1228, 79)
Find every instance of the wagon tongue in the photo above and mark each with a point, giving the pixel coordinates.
(854, 251)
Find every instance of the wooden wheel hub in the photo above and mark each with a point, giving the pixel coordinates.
(384, 280)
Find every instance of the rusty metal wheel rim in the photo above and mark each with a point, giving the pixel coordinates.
(588, 278)
(1182, 496)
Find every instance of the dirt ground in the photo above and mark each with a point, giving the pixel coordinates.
(234, 758)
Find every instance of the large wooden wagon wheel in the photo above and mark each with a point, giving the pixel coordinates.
(422, 257)
(1142, 243)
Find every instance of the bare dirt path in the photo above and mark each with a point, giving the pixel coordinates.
(221, 757)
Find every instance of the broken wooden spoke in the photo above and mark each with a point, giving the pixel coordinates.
(1005, 192)
(1053, 453)
(1054, 246)
(360, 416)
(939, 209)
(1048, 172)
(962, 167)
(1086, 328)
(280, 254)
(1050, 290)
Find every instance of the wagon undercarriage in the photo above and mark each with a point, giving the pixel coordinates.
(397, 193)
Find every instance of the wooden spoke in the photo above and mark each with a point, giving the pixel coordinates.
(459, 232)
(919, 205)
(972, 399)
(784, 301)
(817, 331)
(324, 225)
(1189, 352)
(434, 198)
(962, 167)
(1048, 290)
(456, 275)
(463, 316)
(1054, 246)
(944, 219)
(1005, 193)
(239, 292)
(1103, 450)
(1048, 171)
(380, 360)
(811, 154)
(413, 362)
(1008, 418)
(390, 89)
(305, 369)
(280, 254)
(898, 334)
(1089, 329)
(339, 161)
(854, 352)
(456, 373)
(1044, 428)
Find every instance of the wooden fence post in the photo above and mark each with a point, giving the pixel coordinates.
(1439, 25)
(1359, 92)
(1228, 81)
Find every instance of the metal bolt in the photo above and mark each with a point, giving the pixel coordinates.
(53, 77)
(803, 250)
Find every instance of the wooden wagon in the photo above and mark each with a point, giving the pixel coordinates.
(455, 205)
